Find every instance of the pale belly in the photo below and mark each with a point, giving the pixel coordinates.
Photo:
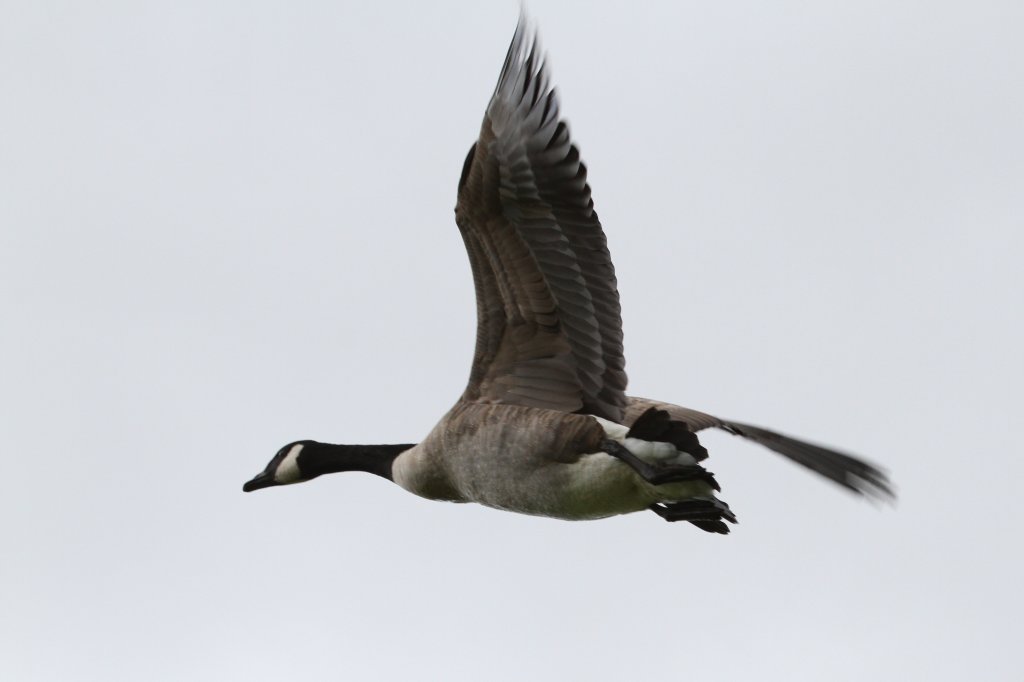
(501, 464)
(595, 487)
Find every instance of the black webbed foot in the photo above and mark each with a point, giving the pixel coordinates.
(708, 515)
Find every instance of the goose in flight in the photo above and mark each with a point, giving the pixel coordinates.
(544, 426)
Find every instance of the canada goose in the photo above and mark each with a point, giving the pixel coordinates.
(544, 426)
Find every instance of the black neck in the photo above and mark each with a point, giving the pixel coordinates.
(324, 458)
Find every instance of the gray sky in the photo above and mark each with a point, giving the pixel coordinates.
(226, 226)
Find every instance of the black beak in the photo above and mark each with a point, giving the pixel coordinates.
(263, 480)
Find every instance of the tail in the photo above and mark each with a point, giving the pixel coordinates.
(658, 426)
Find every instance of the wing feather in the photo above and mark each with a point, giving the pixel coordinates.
(549, 330)
(852, 473)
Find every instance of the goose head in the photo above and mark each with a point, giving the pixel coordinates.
(304, 460)
(286, 467)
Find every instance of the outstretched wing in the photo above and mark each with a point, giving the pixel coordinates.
(549, 329)
(849, 472)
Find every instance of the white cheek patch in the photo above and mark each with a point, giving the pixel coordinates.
(288, 470)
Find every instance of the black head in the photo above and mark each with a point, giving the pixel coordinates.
(284, 468)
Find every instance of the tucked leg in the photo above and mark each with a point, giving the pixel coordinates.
(655, 474)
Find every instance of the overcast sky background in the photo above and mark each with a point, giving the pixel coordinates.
(225, 226)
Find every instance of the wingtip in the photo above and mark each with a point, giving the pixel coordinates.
(524, 17)
(877, 487)
(525, 43)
